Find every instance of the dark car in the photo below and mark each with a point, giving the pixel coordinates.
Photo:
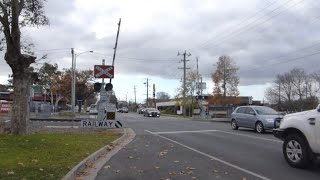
(151, 112)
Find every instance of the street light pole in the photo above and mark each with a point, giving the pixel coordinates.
(73, 85)
(73, 98)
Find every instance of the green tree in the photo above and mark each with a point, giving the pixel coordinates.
(48, 78)
(15, 14)
(191, 78)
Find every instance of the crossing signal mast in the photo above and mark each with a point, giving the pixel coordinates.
(106, 110)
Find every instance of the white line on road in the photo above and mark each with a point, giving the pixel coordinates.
(212, 157)
(266, 139)
(177, 132)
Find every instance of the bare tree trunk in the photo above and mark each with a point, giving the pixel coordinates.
(21, 84)
(20, 111)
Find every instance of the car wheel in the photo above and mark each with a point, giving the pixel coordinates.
(259, 127)
(296, 151)
(234, 125)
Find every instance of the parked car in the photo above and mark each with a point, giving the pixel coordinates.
(301, 135)
(124, 110)
(93, 109)
(259, 118)
(151, 112)
(140, 110)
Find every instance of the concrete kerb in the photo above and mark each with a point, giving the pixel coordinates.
(75, 171)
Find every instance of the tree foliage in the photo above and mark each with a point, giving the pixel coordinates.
(294, 90)
(225, 81)
(163, 95)
(191, 78)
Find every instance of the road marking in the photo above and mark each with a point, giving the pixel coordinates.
(212, 157)
(178, 132)
(61, 126)
(7, 121)
(272, 140)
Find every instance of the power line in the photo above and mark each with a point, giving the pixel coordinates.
(293, 52)
(241, 22)
(225, 38)
(286, 61)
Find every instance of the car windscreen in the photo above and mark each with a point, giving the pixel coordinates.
(265, 111)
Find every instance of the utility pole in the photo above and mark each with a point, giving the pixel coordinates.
(184, 79)
(147, 83)
(224, 77)
(135, 95)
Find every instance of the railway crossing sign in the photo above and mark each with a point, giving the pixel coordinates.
(102, 71)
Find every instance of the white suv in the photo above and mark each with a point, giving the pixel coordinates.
(301, 135)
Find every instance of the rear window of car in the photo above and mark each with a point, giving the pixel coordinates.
(241, 110)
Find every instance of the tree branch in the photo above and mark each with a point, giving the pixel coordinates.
(21, 5)
(5, 13)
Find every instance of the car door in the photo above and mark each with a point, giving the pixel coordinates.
(250, 116)
(239, 115)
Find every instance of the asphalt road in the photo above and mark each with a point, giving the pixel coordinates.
(173, 148)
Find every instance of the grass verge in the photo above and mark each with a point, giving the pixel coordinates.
(47, 156)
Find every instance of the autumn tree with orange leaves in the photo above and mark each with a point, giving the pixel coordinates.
(226, 82)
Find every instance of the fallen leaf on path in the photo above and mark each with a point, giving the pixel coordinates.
(21, 164)
(130, 157)
(182, 172)
(10, 173)
(176, 161)
(116, 171)
(41, 169)
(190, 168)
(107, 167)
(157, 167)
(244, 178)
(140, 171)
(194, 177)
(226, 173)
(190, 172)
(215, 171)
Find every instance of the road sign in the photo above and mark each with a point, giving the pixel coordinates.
(100, 124)
(102, 71)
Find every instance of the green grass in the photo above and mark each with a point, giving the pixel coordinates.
(47, 156)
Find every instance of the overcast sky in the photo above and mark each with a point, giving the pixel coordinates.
(263, 37)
